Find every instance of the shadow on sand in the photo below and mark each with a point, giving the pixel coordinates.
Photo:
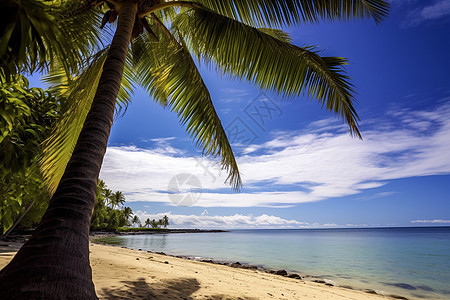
(169, 289)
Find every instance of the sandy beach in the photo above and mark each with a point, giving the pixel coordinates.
(130, 274)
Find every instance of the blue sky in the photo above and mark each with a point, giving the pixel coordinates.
(299, 165)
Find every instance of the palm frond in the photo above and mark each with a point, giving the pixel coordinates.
(126, 87)
(80, 92)
(277, 33)
(169, 73)
(76, 95)
(35, 34)
(274, 13)
(248, 53)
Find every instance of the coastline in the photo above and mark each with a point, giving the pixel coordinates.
(132, 274)
(302, 278)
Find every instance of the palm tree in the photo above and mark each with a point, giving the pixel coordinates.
(117, 199)
(147, 223)
(127, 212)
(239, 37)
(154, 223)
(107, 194)
(165, 221)
(136, 221)
(36, 35)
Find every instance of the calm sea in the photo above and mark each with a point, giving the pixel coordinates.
(411, 262)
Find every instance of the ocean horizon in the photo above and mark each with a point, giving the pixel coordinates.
(413, 262)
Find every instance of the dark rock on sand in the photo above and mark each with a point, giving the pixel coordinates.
(249, 267)
(296, 276)
(319, 281)
(281, 272)
(329, 284)
(369, 291)
(398, 297)
(347, 287)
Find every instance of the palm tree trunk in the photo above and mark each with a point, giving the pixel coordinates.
(54, 263)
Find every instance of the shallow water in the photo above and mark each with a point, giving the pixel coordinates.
(411, 262)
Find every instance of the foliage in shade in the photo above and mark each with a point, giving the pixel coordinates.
(27, 116)
(29, 30)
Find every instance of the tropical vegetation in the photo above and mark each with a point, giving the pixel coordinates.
(106, 216)
(155, 45)
(27, 116)
(157, 223)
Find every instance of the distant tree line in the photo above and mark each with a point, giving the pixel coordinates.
(157, 223)
(109, 210)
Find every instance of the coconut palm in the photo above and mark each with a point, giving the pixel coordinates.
(106, 195)
(165, 221)
(154, 223)
(147, 223)
(136, 221)
(117, 199)
(37, 34)
(127, 212)
(240, 38)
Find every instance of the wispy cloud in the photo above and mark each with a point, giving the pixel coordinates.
(162, 140)
(233, 95)
(432, 221)
(162, 145)
(437, 10)
(297, 167)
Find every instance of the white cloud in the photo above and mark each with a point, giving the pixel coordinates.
(432, 221)
(296, 167)
(229, 222)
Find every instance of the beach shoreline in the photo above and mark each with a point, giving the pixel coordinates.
(124, 273)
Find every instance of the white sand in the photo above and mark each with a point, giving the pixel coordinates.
(129, 274)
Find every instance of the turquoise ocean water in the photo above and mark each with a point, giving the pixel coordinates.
(411, 262)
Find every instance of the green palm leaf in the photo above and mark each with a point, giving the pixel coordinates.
(270, 13)
(277, 33)
(248, 53)
(37, 34)
(77, 94)
(169, 73)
